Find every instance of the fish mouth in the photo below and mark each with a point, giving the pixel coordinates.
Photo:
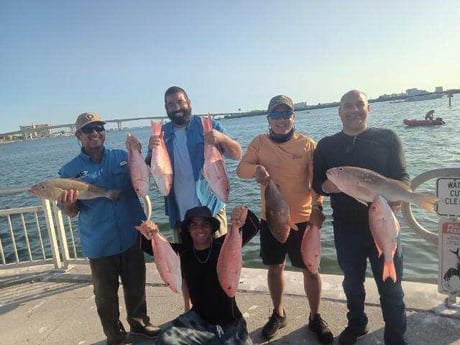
(33, 192)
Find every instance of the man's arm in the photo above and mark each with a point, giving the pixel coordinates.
(230, 146)
(247, 166)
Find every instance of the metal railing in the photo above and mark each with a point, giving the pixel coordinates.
(37, 235)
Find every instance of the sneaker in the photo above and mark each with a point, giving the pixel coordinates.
(350, 335)
(125, 341)
(275, 322)
(148, 331)
(318, 326)
(122, 339)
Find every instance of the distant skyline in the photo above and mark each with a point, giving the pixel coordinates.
(61, 58)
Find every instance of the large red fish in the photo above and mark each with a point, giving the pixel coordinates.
(138, 170)
(160, 165)
(278, 213)
(385, 229)
(230, 258)
(166, 260)
(311, 248)
(214, 170)
(364, 184)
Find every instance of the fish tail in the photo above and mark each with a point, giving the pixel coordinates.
(154, 126)
(389, 271)
(426, 201)
(114, 194)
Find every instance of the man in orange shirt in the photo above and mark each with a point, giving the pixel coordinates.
(286, 156)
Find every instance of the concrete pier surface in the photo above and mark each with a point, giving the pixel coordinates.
(40, 305)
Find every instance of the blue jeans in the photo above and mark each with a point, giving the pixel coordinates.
(191, 329)
(354, 245)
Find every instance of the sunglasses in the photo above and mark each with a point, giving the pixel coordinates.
(276, 115)
(90, 129)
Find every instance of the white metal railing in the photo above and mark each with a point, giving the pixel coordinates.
(37, 235)
(41, 234)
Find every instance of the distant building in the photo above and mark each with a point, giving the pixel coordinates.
(36, 131)
(300, 105)
(416, 92)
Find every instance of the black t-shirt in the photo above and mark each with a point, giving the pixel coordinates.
(198, 267)
(376, 149)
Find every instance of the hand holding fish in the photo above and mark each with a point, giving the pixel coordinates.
(213, 137)
(317, 216)
(147, 228)
(239, 215)
(133, 143)
(166, 260)
(262, 176)
(154, 141)
(67, 202)
(68, 197)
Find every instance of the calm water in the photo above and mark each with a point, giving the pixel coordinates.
(427, 148)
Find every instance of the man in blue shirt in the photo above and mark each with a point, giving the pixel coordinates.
(185, 141)
(106, 229)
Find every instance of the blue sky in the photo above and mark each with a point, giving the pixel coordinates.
(60, 58)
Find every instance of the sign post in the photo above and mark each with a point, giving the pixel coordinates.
(448, 206)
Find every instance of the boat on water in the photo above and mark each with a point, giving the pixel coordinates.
(423, 97)
(416, 123)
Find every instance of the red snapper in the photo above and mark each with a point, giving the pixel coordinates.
(214, 170)
(230, 258)
(385, 229)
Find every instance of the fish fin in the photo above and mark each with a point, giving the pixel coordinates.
(207, 123)
(400, 184)
(426, 201)
(379, 251)
(365, 203)
(389, 271)
(154, 126)
(114, 194)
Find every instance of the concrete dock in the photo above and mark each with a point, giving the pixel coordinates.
(39, 305)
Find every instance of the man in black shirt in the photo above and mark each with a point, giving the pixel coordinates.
(211, 316)
(379, 150)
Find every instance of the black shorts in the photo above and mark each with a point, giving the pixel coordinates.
(274, 252)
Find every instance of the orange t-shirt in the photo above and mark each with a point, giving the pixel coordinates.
(290, 165)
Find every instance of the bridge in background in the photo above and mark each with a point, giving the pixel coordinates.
(30, 131)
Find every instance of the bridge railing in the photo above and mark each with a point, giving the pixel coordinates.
(37, 234)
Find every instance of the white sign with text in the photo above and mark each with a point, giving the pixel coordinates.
(448, 193)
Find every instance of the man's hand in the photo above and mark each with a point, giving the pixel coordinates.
(262, 175)
(133, 143)
(214, 137)
(317, 216)
(154, 141)
(68, 197)
(239, 215)
(67, 202)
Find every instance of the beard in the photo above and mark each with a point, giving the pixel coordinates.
(180, 120)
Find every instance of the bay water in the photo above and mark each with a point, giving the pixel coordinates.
(27, 162)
